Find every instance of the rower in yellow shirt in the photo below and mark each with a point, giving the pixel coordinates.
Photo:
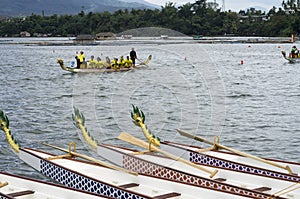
(93, 62)
(80, 59)
(128, 62)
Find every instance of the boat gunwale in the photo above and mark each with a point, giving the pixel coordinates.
(48, 183)
(112, 147)
(76, 172)
(242, 164)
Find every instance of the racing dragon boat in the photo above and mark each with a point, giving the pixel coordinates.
(14, 186)
(108, 180)
(181, 171)
(289, 58)
(104, 69)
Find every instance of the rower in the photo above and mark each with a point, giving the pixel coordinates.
(128, 62)
(93, 62)
(99, 63)
(294, 52)
(121, 62)
(115, 63)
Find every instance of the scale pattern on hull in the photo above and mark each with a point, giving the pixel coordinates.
(145, 167)
(77, 181)
(212, 161)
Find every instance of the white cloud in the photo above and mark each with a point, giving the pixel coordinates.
(234, 5)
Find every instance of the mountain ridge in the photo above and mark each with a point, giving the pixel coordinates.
(21, 8)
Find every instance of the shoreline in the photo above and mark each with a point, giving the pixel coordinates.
(69, 41)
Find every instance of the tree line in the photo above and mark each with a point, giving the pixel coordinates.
(199, 18)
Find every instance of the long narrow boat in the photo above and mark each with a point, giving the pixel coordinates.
(205, 155)
(101, 70)
(290, 59)
(14, 186)
(94, 178)
(177, 171)
(235, 156)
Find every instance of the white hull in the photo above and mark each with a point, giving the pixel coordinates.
(15, 186)
(241, 180)
(295, 167)
(73, 173)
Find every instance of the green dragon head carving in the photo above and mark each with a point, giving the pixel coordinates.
(79, 120)
(4, 125)
(138, 118)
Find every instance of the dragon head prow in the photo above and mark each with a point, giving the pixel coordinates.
(79, 120)
(4, 125)
(60, 61)
(138, 118)
(4, 122)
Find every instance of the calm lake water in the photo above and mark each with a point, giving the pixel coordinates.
(202, 88)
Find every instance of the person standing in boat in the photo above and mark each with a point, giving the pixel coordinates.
(133, 56)
(80, 59)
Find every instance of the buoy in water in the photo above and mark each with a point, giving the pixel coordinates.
(242, 62)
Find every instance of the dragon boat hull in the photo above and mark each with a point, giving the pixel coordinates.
(94, 178)
(250, 177)
(13, 186)
(248, 182)
(101, 70)
(295, 167)
(290, 59)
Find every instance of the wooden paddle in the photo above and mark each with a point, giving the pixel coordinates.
(189, 135)
(3, 184)
(133, 140)
(146, 62)
(92, 159)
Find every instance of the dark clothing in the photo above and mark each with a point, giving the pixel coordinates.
(77, 62)
(133, 56)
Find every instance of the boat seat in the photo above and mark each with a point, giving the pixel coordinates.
(20, 193)
(220, 179)
(262, 189)
(129, 185)
(168, 195)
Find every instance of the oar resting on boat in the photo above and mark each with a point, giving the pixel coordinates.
(88, 176)
(139, 118)
(165, 168)
(217, 145)
(106, 182)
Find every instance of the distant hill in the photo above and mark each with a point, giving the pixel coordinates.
(50, 7)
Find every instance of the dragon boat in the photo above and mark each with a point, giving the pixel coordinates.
(289, 58)
(104, 69)
(260, 182)
(14, 186)
(108, 180)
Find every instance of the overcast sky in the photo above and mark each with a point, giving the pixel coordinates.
(235, 5)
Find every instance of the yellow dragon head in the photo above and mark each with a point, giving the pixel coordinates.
(4, 125)
(138, 118)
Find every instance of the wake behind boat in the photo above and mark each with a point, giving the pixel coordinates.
(105, 68)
